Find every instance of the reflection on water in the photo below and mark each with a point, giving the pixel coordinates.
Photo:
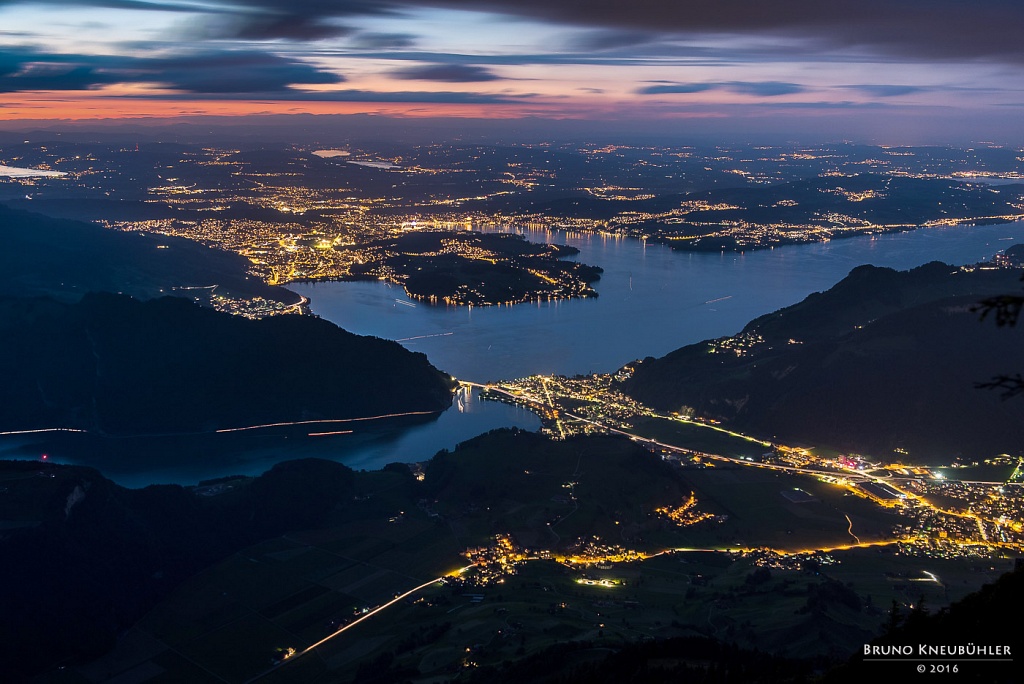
(652, 301)
(187, 459)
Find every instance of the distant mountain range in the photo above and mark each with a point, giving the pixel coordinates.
(881, 361)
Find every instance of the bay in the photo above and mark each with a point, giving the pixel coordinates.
(651, 300)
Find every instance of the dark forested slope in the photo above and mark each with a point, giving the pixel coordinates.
(112, 364)
(40, 255)
(883, 360)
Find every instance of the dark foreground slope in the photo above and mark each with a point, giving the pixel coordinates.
(883, 360)
(112, 364)
(983, 623)
(517, 483)
(85, 558)
(215, 580)
(982, 619)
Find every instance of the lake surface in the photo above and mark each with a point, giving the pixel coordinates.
(652, 300)
(188, 459)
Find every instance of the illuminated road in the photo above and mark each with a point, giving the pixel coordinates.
(297, 305)
(324, 422)
(423, 337)
(327, 421)
(40, 430)
(312, 647)
(849, 529)
(824, 549)
(663, 445)
(551, 405)
(850, 476)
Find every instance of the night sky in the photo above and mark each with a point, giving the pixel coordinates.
(873, 69)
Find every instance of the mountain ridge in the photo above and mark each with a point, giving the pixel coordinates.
(883, 360)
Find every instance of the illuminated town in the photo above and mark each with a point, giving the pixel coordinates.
(303, 213)
(456, 342)
(468, 226)
(939, 516)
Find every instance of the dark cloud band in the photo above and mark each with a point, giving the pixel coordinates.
(929, 29)
(755, 88)
(447, 73)
(213, 72)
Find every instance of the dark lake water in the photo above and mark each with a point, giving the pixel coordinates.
(652, 300)
(187, 459)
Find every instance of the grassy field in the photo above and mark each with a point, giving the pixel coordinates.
(582, 487)
(983, 473)
(697, 437)
(759, 515)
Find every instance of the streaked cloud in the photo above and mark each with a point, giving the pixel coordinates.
(212, 72)
(657, 58)
(411, 97)
(931, 29)
(274, 27)
(448, 73)
(928, 29)
(755, 88)
(382, 41)
(883, 90)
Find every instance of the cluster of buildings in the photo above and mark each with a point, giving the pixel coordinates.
(580, 405)
(776, 560)
(685, 514)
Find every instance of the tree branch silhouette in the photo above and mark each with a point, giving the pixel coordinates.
(1006, 311)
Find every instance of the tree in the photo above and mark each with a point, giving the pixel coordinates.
(1006, 310)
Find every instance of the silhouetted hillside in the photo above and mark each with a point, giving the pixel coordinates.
(984, 618)
(85, 558)
(987, 618)
(40, 255)
(1016, 254)
(695, 660)
(883, 360)
(113, 364)
(518, 482)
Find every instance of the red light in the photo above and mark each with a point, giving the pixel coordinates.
(45, 457)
